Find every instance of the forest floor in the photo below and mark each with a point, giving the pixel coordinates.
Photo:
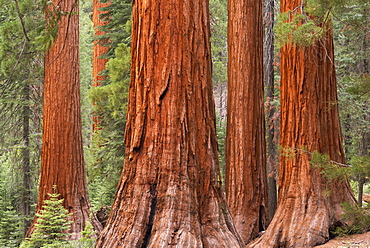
(355, 241)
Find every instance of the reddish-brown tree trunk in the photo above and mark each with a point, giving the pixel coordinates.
(170, 192)
(308, 203)
(246, 183)
(99, 47)
(99, 50)
(62, 152)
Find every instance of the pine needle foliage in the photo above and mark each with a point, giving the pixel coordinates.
(309, 22)
(361, 167)
(297, 28)
(329, 169)
(52, 224)
(117, 29)
(11, 224)
(110, 103)
(357, 219)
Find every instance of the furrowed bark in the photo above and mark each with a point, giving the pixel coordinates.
(308, 203)
(62, 161)
(170, 192)
(246, 183)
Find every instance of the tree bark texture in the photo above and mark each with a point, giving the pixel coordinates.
(246, 183)
(99, 47)
(170, 191)
(62, 152)
(98, 50)
(308, 203)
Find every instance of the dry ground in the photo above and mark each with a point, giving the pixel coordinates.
(355, 241)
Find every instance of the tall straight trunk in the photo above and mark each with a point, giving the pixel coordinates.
(170, 194)
(62, 161)
(99, 50)
(246, 183)
(26, 159)
(99, 47)
(272, 122)
(364, 147)
(308, 203)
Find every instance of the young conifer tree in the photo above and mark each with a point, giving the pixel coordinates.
(52, 225)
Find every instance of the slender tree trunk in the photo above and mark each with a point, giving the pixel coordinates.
(365, 47)
(246, 183)
(361, 183)
(272, 122)
(26, 159)
(365, 137)
(99, 50)
(62, 161)
(99, 47)
(308, 203)
(170, 191)
(363, 151)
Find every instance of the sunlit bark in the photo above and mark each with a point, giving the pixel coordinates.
(308, 203)
(246, 184)
(62, 153)
(99, 50)
(170, 192)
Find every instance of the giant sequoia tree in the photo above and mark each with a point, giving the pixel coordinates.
(99, 49)
(170, 189)
(309, 204)
(246, 184)
(62, 154)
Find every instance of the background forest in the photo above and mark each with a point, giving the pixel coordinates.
(23, 39)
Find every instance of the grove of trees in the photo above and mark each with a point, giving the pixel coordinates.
(210, 123)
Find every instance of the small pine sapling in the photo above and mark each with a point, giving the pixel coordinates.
(52, 224)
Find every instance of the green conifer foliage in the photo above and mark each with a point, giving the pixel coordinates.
(21, 72)
(10, 222)
(52, 224)
(106, 152)
(310, 21)
(110, 103)
(9, 227)
(118, 27)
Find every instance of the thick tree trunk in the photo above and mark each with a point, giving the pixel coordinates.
(62, 161)
(308, 204)
(170, 192)
(272, 120)
(246, 183)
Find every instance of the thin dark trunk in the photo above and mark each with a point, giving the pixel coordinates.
(361, 183)
(26, 160)
(365, 41)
